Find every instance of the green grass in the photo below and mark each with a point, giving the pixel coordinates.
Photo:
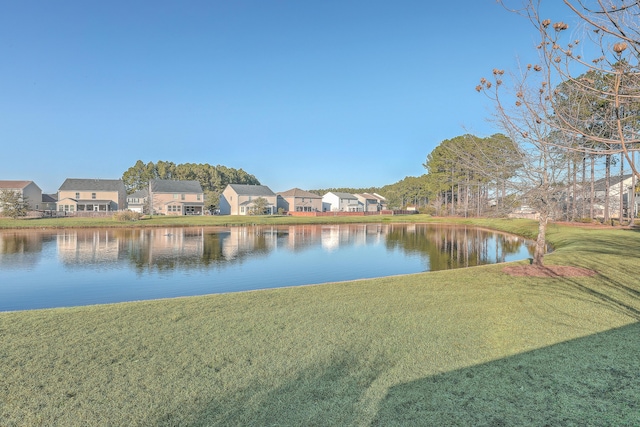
(464, 347)
(209, 220)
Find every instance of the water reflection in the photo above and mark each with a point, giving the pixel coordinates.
(137, 263)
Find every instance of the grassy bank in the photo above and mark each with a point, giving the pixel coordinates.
(465, 347)
(197, 221)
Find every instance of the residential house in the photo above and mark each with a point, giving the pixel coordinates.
(340, 202)
(49, 202)
(138, 201)
(171, 197)
(297, 200)
(239, 199)
(369, 202)
(617, 184)
(27, 189)
(91, 195)
(382, 202)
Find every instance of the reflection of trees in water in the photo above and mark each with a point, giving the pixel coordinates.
(452, 246)
(168, 249)
(21, 249)
(189, 248)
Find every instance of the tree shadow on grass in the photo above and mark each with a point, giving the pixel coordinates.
(317, 396)
(592, 381)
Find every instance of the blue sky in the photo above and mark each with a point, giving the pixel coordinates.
(308, 94)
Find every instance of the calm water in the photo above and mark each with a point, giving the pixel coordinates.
(62, 268)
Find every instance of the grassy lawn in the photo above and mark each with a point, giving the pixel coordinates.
(464, 347)
(197, 221)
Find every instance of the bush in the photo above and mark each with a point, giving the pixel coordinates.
(127, 216)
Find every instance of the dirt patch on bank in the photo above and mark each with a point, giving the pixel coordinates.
(548, 271)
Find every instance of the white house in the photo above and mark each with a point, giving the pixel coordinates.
(616, 185)
(335, 201)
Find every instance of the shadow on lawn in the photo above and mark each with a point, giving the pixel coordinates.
(592, 381)
(322, 396)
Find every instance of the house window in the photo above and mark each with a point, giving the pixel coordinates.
(182, 196)
(241, 209)
(77, 195)
(198, 197)
(93, 196)
(175, 197)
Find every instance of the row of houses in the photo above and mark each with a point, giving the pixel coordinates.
(173, 197)
(240, 199)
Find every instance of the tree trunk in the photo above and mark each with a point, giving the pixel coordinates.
(541, 240)
(593, 190)
(621, 187)
(582, 186)
(607, 177)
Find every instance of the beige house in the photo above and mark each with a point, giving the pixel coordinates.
(26, 189)
(239, 199)
(171, 197)
(368, 202)
(91, 195)
(297, 200)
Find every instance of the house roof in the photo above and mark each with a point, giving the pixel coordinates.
(367, 196)
(14, 184)
(77, 184)
(139, 194)
(600, 185)
(343, 195)
(296, 192)
(49, 198)
(252, 190)
(174, 186)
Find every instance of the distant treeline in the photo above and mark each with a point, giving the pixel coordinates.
(213, 179)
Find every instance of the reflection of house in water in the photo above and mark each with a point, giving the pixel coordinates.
(298, 237)
(238, 241)
(174, 245)
(20, 249)
(334, 236)
(88, 246)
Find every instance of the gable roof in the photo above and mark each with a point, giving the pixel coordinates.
(77, 184)
(174, 186)
(366, 196)
(252, 190)
(9, 184)
(49, 198)
(343, 195)
(600, 185)
(296, 192)
(139, 194)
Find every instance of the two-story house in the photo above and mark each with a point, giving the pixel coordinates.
(297, 200)
(91, 195)
(240, 199)
(171, 197)
(28, 190)
(340, 202)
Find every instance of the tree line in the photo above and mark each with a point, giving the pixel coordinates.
(213, 179)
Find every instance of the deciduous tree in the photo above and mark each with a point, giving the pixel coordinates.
(13, 204)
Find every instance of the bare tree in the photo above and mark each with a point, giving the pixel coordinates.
(13, 204)
(591, 74)
(538, 148)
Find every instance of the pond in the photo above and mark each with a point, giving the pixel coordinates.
(61, 268)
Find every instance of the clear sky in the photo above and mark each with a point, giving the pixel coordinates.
(299, 93)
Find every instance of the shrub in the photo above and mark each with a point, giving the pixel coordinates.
(126, 216)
